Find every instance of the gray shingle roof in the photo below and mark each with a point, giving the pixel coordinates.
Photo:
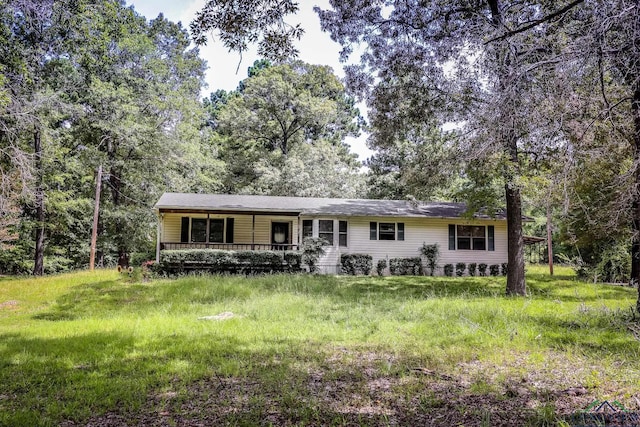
(314, 206)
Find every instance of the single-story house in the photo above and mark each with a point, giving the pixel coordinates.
(382, 228)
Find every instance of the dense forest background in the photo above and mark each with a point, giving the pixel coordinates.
(487, 102)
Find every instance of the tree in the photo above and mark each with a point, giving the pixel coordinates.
(599, 110)
(470, 62)
(285, 116)
(89, 83)
(140, 109)
(244, 22)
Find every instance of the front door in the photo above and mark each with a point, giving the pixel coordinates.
(280, 235)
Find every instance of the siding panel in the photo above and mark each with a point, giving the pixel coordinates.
(417, 232)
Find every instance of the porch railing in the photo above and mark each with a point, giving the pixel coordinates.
(229, 246)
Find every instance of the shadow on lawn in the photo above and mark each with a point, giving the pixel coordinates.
(43, 381)
(344, 389)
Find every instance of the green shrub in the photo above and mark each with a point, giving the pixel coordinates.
(355, 264)
(137, 258)
(405, 266)
(312, 249)
(380, 266)
(15, 261)
(431, 253)
(505, 268)
(460, 268)
(293, 260)
(614, 265)
(471, 268)
(448, 270)
(260, 257)
(220, 260)
(482, 269)
(57, 264)
(494, 269)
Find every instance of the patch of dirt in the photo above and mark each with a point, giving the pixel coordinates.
(9, 305)
(364, 388)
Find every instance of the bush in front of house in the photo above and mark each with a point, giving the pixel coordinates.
(293, 260)
(482, 269)
(219, 260)
(405, 266)
(355, 264)
(431, 253)
(494, 269)
(471, 268)
(312, 249)
(448, 270)
(460, 268)
(505, 268)
(380, 266)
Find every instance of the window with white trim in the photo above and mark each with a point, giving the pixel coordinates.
(325, 230)
(386, 230)
(342, 233)
(471, 237)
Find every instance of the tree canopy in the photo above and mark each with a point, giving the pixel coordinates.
(287, 122)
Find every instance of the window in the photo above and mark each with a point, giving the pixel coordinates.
(216, 230)
(471, 237)
(198, 229)
(307, 228)
(386, 230)
(342, 233)
(203, 230)
(326, 230)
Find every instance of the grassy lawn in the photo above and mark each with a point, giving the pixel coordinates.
(102, 349)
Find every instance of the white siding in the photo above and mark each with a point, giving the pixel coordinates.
(417, 231)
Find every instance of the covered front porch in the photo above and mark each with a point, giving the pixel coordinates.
(227, 230)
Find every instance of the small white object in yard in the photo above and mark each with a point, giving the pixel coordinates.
(222, 316)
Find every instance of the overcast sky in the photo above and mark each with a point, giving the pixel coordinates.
(315, 47)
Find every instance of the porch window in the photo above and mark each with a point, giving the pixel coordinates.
(216, 230)
(198, 229)
(326, 230)
(342, 233)
(203, 230)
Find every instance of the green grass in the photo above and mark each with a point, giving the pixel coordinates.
(80, 345)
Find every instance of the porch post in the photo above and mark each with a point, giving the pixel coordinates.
(158, 236)
(253, 232)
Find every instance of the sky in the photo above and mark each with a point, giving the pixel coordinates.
(316, 47)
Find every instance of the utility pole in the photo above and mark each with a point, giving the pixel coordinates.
(96, 213)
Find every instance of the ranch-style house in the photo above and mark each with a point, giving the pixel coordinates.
(381, 228)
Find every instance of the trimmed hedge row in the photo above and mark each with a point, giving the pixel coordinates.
(355, 264)
(405, 266)
(460, 267)
(220, 260)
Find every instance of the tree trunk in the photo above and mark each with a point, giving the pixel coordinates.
(516, 284)
(38, 267)
(114, 179)
(635, 246)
